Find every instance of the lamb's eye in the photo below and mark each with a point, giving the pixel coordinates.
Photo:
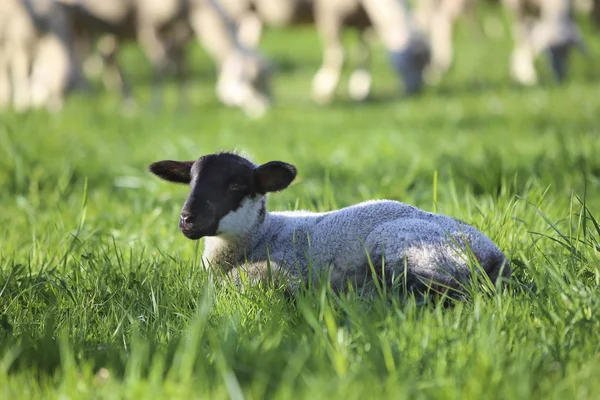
(237, 187)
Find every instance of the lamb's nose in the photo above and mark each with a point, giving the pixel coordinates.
(186, 218)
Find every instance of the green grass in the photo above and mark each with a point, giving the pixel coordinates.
(102, 297)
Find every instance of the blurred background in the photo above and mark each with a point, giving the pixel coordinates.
(451, 105)
(238, 49)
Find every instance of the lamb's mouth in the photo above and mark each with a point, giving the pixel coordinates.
(198, 232)
(192, 233)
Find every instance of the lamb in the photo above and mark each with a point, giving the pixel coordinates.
(390, 19)
(227, 207)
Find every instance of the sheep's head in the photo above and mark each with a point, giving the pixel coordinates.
(226, 192)
(410, 62)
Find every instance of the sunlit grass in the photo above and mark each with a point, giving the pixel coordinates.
(101, 296)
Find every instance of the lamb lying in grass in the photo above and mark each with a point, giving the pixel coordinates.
(386, 240)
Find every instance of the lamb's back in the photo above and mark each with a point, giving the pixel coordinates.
(336, 237)
(342, 239)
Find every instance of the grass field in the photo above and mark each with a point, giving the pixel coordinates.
(101, 296)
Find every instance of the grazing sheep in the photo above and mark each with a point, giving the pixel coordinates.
(542, 26)
(227, 205)
(390, 19)
(36, 58)
(539, 26)
(163, 28)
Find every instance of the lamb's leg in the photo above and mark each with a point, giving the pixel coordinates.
(445, 268)
(497, 267)
(419, 260)
(253, 273)
(360, 80)
(325, 82)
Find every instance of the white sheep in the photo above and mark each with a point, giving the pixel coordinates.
(390, 19)
(542, 26)
(163, 29)
(36, 58)
(227, 206)
(539, 26)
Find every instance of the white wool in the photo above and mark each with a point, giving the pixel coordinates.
(240, 222)
(433, 247)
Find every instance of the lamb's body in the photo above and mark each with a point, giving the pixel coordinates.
(302, 243)
(394, 241)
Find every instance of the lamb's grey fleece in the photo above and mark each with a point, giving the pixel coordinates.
(434, 248)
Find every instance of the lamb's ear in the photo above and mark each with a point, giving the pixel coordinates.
(273, 176)
(173, 171)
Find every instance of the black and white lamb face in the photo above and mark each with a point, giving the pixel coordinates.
(226, 191)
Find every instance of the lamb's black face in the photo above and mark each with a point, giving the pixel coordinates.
(219, 184)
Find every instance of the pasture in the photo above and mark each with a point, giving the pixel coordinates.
(101, 296)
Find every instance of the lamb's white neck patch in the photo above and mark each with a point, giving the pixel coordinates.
(241, 221)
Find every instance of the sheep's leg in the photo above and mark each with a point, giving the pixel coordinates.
(217, 37)
(50, 71)
(156, 51)
(326, 80)
(522, 67)
(20, 64)
(113, 76)
(407, 50)
(441, 43)
(595, 13)
(360, 80)
(442, 24)
(179, 56)
(556, 33)
(85, 62)
(250, 30)
(5, 85)
(214, 30)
